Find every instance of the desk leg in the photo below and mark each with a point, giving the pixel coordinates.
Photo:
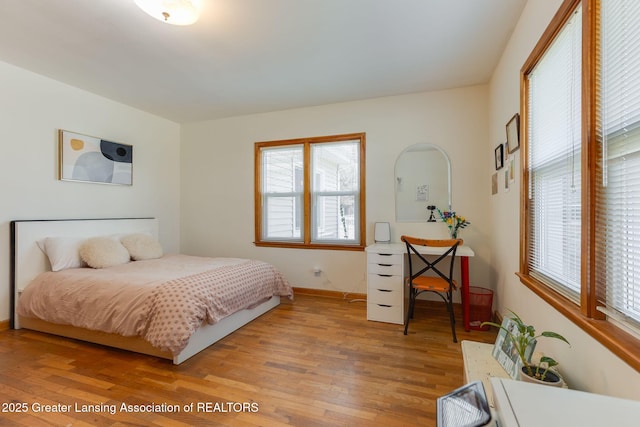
(464, 274)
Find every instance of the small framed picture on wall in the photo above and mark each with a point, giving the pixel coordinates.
(494, 183)
(513, 133)
(499, 155)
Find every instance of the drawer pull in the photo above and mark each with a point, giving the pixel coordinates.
(385, 275)
(385, 265)
(385, 254)
(384, 305)
(385, 290)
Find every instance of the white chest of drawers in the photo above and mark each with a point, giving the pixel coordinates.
(386, 270)
(385, 285)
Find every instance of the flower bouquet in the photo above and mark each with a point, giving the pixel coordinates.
(454, 222)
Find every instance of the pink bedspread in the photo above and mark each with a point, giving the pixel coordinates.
(163, 300)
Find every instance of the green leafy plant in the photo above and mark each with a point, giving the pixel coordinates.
(525, 337)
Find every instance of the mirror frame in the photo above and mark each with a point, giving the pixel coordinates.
(395, 176)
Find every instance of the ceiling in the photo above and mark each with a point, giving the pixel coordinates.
(252, 56)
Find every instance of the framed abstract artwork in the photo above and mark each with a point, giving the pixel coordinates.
(90, 159)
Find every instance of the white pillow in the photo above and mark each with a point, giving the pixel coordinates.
(63, 252)
(101, 252)
(142, 246)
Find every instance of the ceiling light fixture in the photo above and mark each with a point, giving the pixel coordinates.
(176, 12)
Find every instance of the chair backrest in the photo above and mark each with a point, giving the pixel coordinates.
(450, 245)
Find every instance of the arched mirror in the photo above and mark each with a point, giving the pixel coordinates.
(422, 178)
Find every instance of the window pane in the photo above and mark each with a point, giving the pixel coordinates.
(336, 181)
(282, 188)
(622, 231)
(282, 169)
(282, 217)
(554, 162)
(335, 166)
(555, 227)
(335, 218)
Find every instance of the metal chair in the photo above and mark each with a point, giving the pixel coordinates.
(442, 284)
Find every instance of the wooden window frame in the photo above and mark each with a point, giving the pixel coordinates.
(307, 232)
(584, 315)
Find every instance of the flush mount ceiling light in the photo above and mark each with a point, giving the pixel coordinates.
(176, 12)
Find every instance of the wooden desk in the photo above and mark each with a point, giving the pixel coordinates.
(387, 304)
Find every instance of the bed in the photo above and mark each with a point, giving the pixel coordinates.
(152, 281)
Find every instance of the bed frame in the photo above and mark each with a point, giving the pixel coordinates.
(27, 261)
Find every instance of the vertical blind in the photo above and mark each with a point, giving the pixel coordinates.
(554, 129)
(618, 200)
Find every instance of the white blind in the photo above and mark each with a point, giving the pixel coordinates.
(554, 131)
(618, 209)
(282, 190)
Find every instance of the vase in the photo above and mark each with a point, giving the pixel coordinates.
(453, 233)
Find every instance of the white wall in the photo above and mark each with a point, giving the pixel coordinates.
(586, 364)
(32, 109)
(218, 177)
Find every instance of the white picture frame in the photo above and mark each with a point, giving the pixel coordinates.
(422, 193)
(85, 158)
(504, 351)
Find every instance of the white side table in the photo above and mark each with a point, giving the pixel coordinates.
(479, 364)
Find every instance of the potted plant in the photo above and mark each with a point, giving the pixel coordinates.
(523, 337)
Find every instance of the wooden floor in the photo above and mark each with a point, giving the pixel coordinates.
(312, 362)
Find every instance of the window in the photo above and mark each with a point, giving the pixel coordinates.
(554, 161)
(580, 198)
(310, 192)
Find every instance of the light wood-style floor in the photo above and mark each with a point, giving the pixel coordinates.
(312, 362)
